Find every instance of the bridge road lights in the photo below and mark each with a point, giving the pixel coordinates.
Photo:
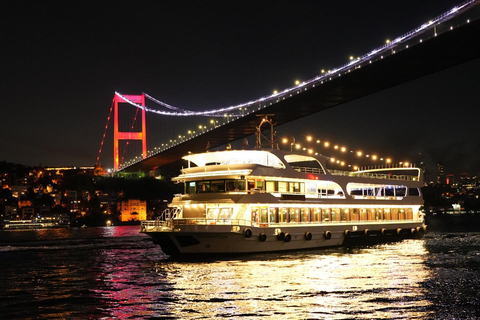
(214, 123)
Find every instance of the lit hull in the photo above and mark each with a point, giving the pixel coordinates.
(217, 239)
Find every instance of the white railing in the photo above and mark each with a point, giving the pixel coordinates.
(373, 175)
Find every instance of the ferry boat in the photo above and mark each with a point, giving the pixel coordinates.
(245, 201)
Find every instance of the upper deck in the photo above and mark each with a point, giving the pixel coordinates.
(286, 164)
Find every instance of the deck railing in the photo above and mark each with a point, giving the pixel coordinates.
(170, 225)
(373, 175)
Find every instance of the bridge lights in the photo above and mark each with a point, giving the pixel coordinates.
(297, 82)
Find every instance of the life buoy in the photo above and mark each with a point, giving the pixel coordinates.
(399, 231)
(421, 230)
(247, 233)
(366, 232)
(288, 237)
(347, 233)
(413, 231)
(383, 231)
(262, 237)
(425, 229)
(308, 236)
(281, 236)
(327, 235)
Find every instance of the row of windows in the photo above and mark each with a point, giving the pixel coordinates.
(242, 185)
(299, 215)
(207, 186)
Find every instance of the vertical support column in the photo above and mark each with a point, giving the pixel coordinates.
(119, 135)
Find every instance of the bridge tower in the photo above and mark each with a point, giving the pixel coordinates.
(125, 135)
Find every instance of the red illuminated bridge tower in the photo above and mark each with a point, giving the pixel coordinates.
(141, 135)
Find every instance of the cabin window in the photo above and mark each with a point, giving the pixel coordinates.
(282, 186)
(387, 214)
(363, 214)
(259, 185)
(394, 213)
(225, 214)
(335, 213)
(212, 213)
(190, 187)
(326, 215)
(217, 186)
(283, 214)
(251, 184)
(273, 212)
(414, 192)
(294, 187)
(400, 191)
(409, 213)
(203, 186)
(230, 185)
(316, 214)
(304, 214)
(263, 215)
(355, 214)
(345, 215)
(294, 215)
(270, 186)
(255, 215)
(380, 215)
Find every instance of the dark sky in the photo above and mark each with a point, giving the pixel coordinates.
(62, 61)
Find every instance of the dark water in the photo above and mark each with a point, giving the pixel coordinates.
(116, 272)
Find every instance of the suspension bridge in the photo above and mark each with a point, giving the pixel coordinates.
(443, 42)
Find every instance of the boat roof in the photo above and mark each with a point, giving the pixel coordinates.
(271, 158)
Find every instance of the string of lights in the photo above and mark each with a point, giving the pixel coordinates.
(97, 163)
(344, 152)
(389, 47)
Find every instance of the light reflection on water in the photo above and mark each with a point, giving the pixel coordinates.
(118, 273)
(380, 282)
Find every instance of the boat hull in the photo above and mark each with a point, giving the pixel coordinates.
(245, 239)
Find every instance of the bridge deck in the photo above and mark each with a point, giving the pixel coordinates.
(438, 53)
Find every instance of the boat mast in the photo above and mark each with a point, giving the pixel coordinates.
(268, 134)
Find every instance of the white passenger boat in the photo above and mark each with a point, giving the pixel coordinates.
(242, 201)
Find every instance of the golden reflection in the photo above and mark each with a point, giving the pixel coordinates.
(380, 282)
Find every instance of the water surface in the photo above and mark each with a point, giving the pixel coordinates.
(116, 272)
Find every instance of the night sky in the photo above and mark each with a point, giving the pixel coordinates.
(62, 61)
